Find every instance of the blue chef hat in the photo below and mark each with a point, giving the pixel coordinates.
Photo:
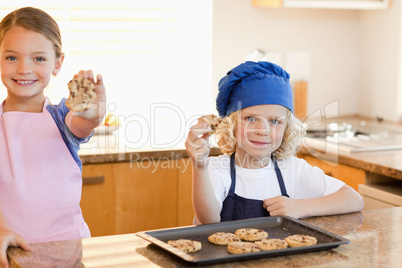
(253, 83)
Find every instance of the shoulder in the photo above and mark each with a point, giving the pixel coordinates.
(219, 162)
(297, 169)
(219, 175)
(61, 106)
(58, 111)
(306, 181)
(293, 162)
(219, 167)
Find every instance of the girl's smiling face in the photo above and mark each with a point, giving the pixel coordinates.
(27, 61)
(259, 132)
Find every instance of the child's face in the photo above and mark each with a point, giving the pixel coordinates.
(259, 132)
(27, 61)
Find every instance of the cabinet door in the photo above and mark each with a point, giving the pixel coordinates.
(98, 198)
(146, 195)
(330, 170)
(349, 175)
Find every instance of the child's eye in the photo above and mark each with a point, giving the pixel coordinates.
(40, 59)
(250, 119)
(274, 122)
(11, 58)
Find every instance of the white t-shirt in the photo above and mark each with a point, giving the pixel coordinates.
(301, 179)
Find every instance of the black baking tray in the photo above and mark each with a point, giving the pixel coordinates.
(277, 227)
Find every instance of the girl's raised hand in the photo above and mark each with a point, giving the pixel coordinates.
(99, 112)
(83, 123)
(197, 144)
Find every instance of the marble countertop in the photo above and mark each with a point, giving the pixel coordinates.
(386, 163)
(374, 234)
(383, 162)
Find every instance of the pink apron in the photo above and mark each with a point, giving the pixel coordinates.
(40, 183)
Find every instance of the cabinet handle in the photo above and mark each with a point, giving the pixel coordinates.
(93, 180)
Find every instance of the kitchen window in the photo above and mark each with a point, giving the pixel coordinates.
(155, 57)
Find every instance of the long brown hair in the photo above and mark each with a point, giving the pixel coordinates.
(35, 20)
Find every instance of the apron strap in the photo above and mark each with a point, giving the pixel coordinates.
(279, 177)
(232, 173)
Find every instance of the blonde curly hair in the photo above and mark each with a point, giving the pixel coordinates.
(292, 137)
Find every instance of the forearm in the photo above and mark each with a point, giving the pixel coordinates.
(206, 207)
(83, 126)
(345, 200)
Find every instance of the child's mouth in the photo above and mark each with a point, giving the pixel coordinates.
(24, 82)
(260, 144)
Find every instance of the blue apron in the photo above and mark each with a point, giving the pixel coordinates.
(236, 207)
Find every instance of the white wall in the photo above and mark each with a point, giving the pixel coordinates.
(380, 75)
(331, 36)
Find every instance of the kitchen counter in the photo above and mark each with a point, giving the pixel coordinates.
(374, 234)
(378, 160)
(112, 149)
(386, 163)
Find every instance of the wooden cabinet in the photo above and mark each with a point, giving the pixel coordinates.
(137, 196)
(350, 175)
(185, 212)
(146, 196)
(98, 198)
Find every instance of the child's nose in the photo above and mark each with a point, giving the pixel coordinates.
(24, 67)
(262, 128)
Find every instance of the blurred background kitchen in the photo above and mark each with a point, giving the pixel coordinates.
(162, 59)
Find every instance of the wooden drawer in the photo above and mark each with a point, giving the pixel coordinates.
(383, 195)
(370, 203)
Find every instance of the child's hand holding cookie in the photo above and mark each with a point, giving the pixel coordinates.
(87, 97)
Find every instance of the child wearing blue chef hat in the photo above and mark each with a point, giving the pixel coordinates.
(258, 174)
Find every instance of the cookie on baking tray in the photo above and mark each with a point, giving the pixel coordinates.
(251, 234)
(82, 94)
(300, 240)
(242, 247)
(185, 245)
(271, 244)
(222, 238)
